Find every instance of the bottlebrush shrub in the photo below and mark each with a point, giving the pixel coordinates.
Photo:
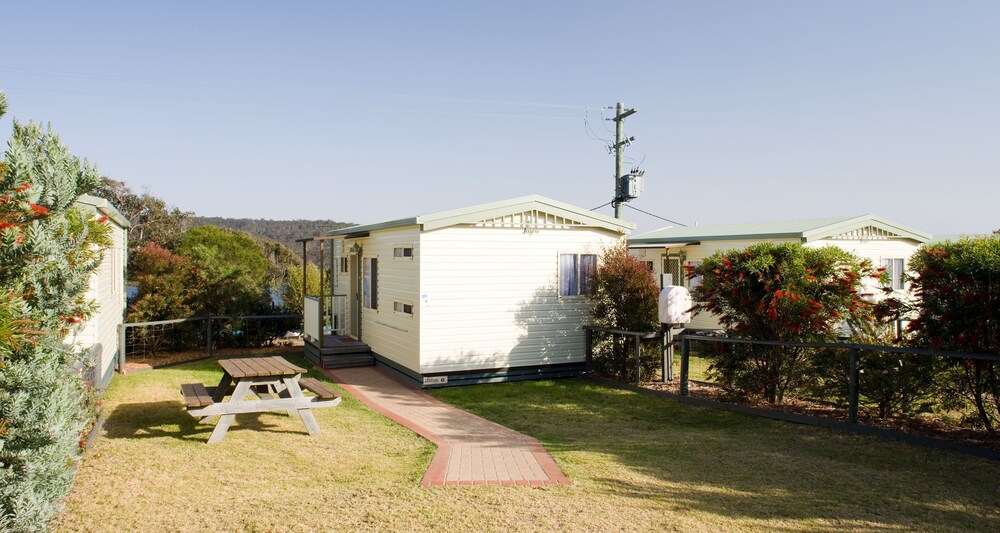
(778, 292)
(48, 249)
(624, 297)
(956, 285)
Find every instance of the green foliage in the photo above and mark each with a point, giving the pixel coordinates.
(168, 285)
(285, 232)
(778, 292)
(624, 298)
(957, 289)
(291, 293)
(49, 249)
(231, 268)
(152, 220)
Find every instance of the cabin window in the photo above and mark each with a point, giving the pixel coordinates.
(403, 250)
(369, 282)
(576, 274)
(894, 267)
(403, 307)
(343, 265)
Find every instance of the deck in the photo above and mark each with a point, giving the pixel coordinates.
(339, 351)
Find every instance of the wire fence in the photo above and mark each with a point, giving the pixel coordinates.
(161, 342)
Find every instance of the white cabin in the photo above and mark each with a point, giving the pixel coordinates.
(492, 292)
(886, 243)
(99, 335)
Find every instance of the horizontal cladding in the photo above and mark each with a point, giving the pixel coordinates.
(489, 298)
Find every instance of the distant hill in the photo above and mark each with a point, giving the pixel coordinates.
(284, 231)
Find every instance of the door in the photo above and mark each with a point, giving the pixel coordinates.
(354, 294)
(672, 269)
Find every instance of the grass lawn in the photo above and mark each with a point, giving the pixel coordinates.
(635, 462)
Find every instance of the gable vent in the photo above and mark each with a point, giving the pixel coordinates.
(866, 233)
(529, 219)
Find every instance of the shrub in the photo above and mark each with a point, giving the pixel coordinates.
(957, 290)
(624, 297)
(778, 292)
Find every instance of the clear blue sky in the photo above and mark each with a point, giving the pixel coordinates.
(365, 111)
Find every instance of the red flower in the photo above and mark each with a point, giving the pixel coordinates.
(103, 219)
(5, 225)
(4, 198)
(38, 210)
(23, 187)
(777, 293)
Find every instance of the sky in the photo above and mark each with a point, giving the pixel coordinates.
(363, 111)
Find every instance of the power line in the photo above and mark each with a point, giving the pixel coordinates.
(602, 205)
(652, 215)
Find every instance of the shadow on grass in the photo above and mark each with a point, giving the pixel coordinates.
(740, 467)
(151, 420)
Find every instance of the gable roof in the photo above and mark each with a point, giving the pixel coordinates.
(860, 227)
(524, 212)
(103, 206)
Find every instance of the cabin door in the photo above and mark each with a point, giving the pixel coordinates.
(354, 296)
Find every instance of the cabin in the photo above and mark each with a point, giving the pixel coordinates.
(487, 293)
(98, 337)
(667, 250)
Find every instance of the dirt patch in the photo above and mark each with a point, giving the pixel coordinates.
(925, 425)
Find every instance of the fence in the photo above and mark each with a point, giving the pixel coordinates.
(186, 339)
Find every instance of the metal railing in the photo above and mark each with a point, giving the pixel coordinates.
(199, 337)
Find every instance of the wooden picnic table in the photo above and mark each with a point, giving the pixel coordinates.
(277, 384)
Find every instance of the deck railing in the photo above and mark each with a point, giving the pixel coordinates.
(325, 315)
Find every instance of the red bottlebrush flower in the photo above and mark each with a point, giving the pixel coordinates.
(689, 267)
(835, 314)
(777, 293)
(23, 187)
(4, 198)
(38, 210)
(772, 314)
(5, 225)
(881, 269)
(725, 261)
(812, 278)
(741, 276)
(103, 219)
(717, 271)
(875, 275)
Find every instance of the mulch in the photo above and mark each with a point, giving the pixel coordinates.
(924, 425)
(146, 362)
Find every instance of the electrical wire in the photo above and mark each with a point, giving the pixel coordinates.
(652, 215)
(603, 205)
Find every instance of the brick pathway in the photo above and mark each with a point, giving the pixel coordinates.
(471, 450)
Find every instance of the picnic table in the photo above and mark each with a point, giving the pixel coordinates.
(276, 384)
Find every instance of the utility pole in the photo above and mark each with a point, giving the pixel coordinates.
(620, 142)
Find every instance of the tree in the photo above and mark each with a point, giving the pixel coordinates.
(624, 298)
(152, 220)
(784, 292)
(168, 284)
(48, 249)
(291, 293)
(957, 290)
(231, 268)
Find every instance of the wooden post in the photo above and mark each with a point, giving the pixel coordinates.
(852, 410)
(685, 354)
(638, 360)
(209, 343)
(121, 348)
(322, 295)
(667, 339)
(588, 343)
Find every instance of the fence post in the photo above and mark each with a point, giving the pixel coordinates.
(121, 348)
(667, 363)
(685, 354)
(209, 343)
(588, 341)
(852, 410)
(638, 360)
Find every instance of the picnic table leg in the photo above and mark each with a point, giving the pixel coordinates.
(305, 414)
(219, 394)
(222, 426)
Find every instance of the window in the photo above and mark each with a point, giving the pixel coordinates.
(894, 267)
(403, 307)
(405, 250)
(649, 266)
(576, 274)
(369, 282)
(343, 265)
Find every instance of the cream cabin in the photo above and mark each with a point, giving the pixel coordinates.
(492, 292)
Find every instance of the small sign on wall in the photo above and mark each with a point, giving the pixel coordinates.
(435, 380)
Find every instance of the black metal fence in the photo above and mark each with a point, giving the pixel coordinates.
(186, 339)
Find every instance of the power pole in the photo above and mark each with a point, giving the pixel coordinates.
(620, 142)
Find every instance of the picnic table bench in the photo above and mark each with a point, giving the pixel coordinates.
(276, 383)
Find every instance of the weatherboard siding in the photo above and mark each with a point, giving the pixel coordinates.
(489, 297)
(393, 335)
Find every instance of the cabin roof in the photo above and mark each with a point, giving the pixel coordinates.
(104, 207)
(859, 227)
(526, 211)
